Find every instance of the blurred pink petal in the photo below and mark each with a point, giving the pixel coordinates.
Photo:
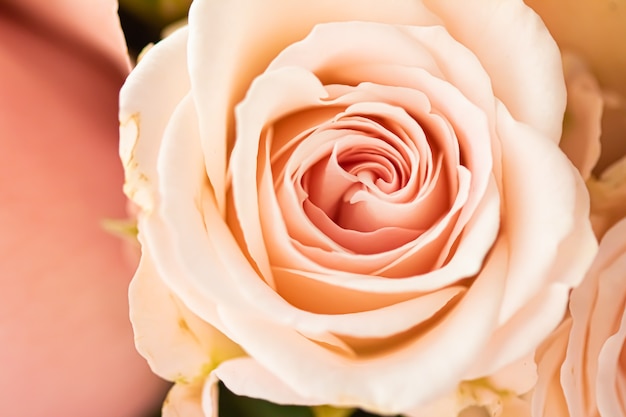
(67, 347)
(92, 23)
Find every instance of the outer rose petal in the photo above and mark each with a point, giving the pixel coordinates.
(139, 142)
(63, 279)
(496, 396)
(535, 97)
(175, 342)
(242, 376)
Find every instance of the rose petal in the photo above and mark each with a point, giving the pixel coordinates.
(140, 142)
(242, 377)
(185, 400)
(525, 70)
(174, 232)
(175, 342)
(530, 214)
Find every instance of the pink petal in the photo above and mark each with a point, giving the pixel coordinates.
(176, 343)
(76, 21)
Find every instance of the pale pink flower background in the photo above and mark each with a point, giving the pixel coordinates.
(66, 346)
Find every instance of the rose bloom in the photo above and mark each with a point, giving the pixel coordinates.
(350, 204)
(583, 369)
(66, 342)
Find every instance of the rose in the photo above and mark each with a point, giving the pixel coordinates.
(308, 254)
(66, 344)
(587, 356)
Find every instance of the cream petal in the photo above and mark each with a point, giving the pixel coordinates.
(139, 100)
(524, 67)
(177, 344)
(523, 332)
(244, 376)
(540, 188)
(174, 232)
(185, 400)
(329, 49)
(210, 396)
(193, 263)
(575, 254)
(332, 47)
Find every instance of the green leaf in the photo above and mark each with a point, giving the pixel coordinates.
(231, 405)
(328, 411)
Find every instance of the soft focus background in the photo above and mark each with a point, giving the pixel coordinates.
(66, 345)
